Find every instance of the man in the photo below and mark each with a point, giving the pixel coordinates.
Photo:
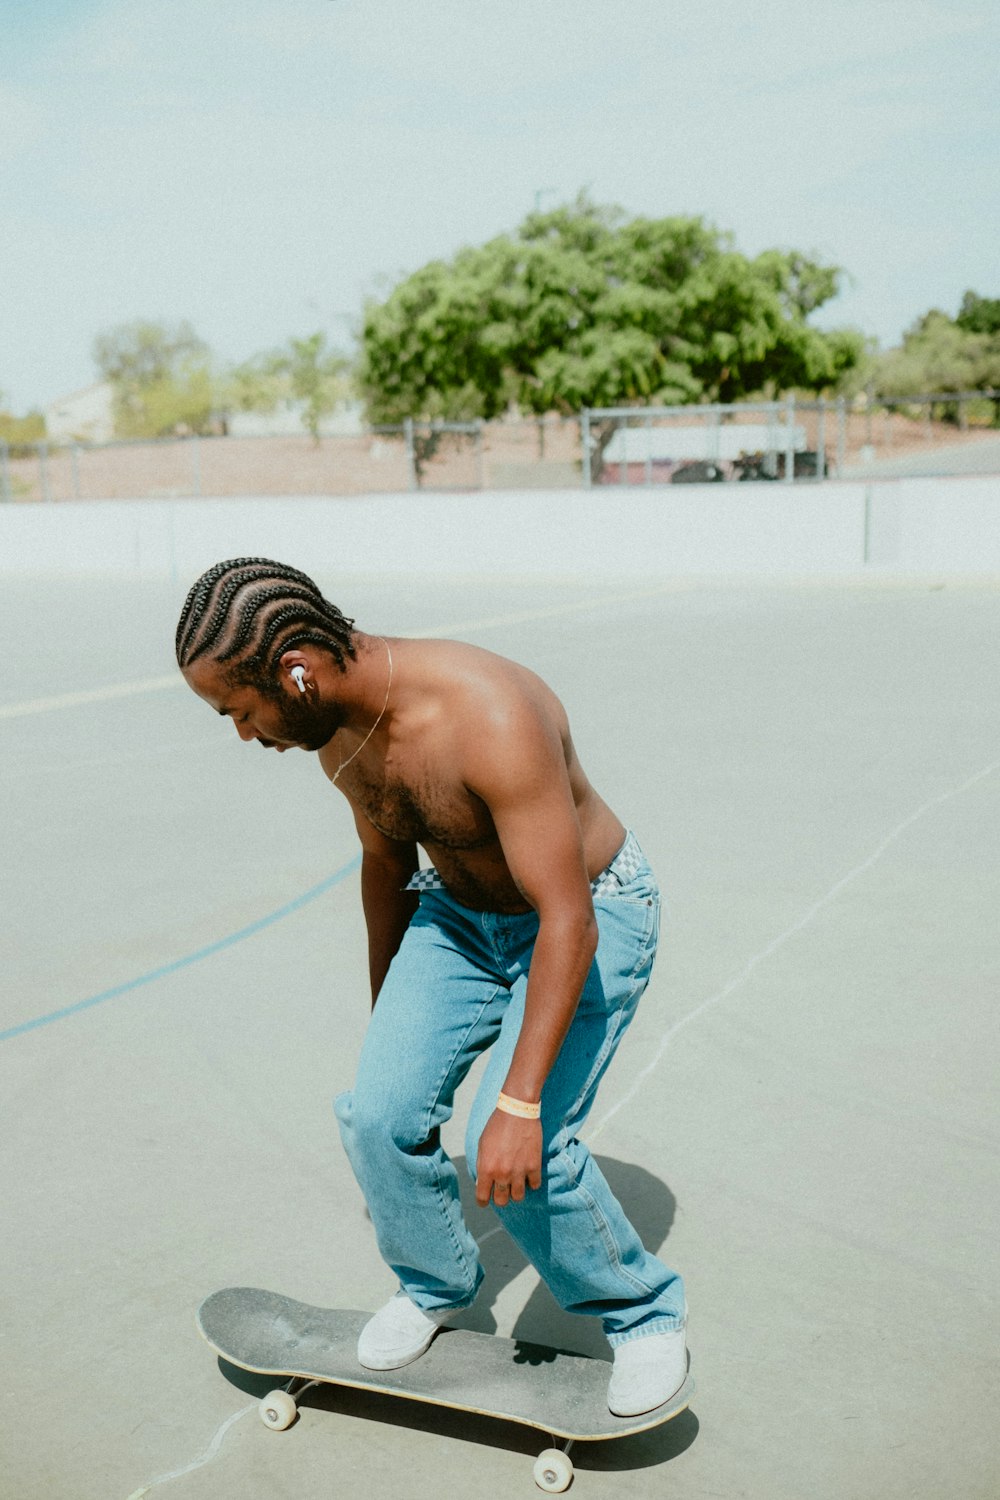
(533, 934)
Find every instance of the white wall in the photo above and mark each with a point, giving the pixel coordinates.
(934, 525)
(86, 415)
(949, 526)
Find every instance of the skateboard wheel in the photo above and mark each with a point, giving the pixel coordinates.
(277, 1410)
(553, 1471)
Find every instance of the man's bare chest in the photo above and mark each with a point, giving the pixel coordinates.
(414, 809)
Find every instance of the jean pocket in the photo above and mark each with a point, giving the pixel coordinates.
(628, 931)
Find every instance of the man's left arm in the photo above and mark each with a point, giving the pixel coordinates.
(531, 803)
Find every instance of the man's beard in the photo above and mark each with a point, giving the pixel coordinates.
(310, 725)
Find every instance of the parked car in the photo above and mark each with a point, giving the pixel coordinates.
(699, 471)
(805, 465)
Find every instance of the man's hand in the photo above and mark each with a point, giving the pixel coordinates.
(510, 1159)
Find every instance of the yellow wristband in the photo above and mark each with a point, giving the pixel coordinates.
(519, 1107)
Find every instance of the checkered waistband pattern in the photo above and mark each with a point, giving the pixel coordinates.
(425, 880)
(622, 870)
(612, 879)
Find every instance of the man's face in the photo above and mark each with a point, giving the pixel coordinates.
(284, 721)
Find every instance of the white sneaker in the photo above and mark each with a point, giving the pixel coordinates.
(398, 1334)
(648, 1370)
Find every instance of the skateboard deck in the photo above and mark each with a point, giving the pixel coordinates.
(562, 1394)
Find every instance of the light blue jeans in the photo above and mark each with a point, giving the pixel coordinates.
(457, 986)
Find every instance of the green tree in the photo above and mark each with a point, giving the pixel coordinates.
(979, 314)
(581, 307)
(142, 352)
(306, 371)
(936, 355)
(19, 433)
(258, 384)
(316, 376)
(940, 355)
(161, 377)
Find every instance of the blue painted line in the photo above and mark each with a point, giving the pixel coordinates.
(188, 958)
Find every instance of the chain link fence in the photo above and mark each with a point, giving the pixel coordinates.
(889, 437)
(786, 441)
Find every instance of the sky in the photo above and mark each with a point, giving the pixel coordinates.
(261, 167)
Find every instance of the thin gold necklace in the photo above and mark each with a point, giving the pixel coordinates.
(378, 721)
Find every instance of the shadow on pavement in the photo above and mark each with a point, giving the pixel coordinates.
(647, 1201)
(644, 1450)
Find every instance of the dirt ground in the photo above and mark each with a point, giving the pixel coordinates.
(505, 455)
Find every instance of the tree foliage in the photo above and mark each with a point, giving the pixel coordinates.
(305, 371)
(979, 314)
(255, 385)
(316, 376)
(20, 432)
(581, 307)
(140, 353)
(936, 355)
(940, 355)
(161, 377)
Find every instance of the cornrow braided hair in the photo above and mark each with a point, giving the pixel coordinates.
(250, 611)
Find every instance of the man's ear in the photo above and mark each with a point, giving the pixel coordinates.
(295, 668)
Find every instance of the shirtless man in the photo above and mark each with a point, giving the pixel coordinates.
(532, 934)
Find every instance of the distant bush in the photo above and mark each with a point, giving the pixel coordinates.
(21, 433)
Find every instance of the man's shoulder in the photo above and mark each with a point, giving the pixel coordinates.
(455, 668)
(436, 649)
(474, 694)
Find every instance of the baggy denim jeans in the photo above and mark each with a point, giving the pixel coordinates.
(457, 986)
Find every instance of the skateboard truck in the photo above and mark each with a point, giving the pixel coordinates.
(552, 1471)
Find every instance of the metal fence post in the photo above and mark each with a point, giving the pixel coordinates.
(5, 493)
(789, 439)
(74, 454)
(480, 456)
(771, 455)
(841, 433)
(585, 445)
(195, 464)
(821, 440)
(713, 436)
(43, 454)
(411, 455)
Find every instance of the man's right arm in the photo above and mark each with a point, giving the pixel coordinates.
(386, 866)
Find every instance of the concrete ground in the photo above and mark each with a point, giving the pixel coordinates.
(802, 1120)
(978, 453)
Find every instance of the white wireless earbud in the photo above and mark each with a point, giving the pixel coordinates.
(299, 673)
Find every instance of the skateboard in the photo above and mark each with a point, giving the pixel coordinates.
(564, 1395)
